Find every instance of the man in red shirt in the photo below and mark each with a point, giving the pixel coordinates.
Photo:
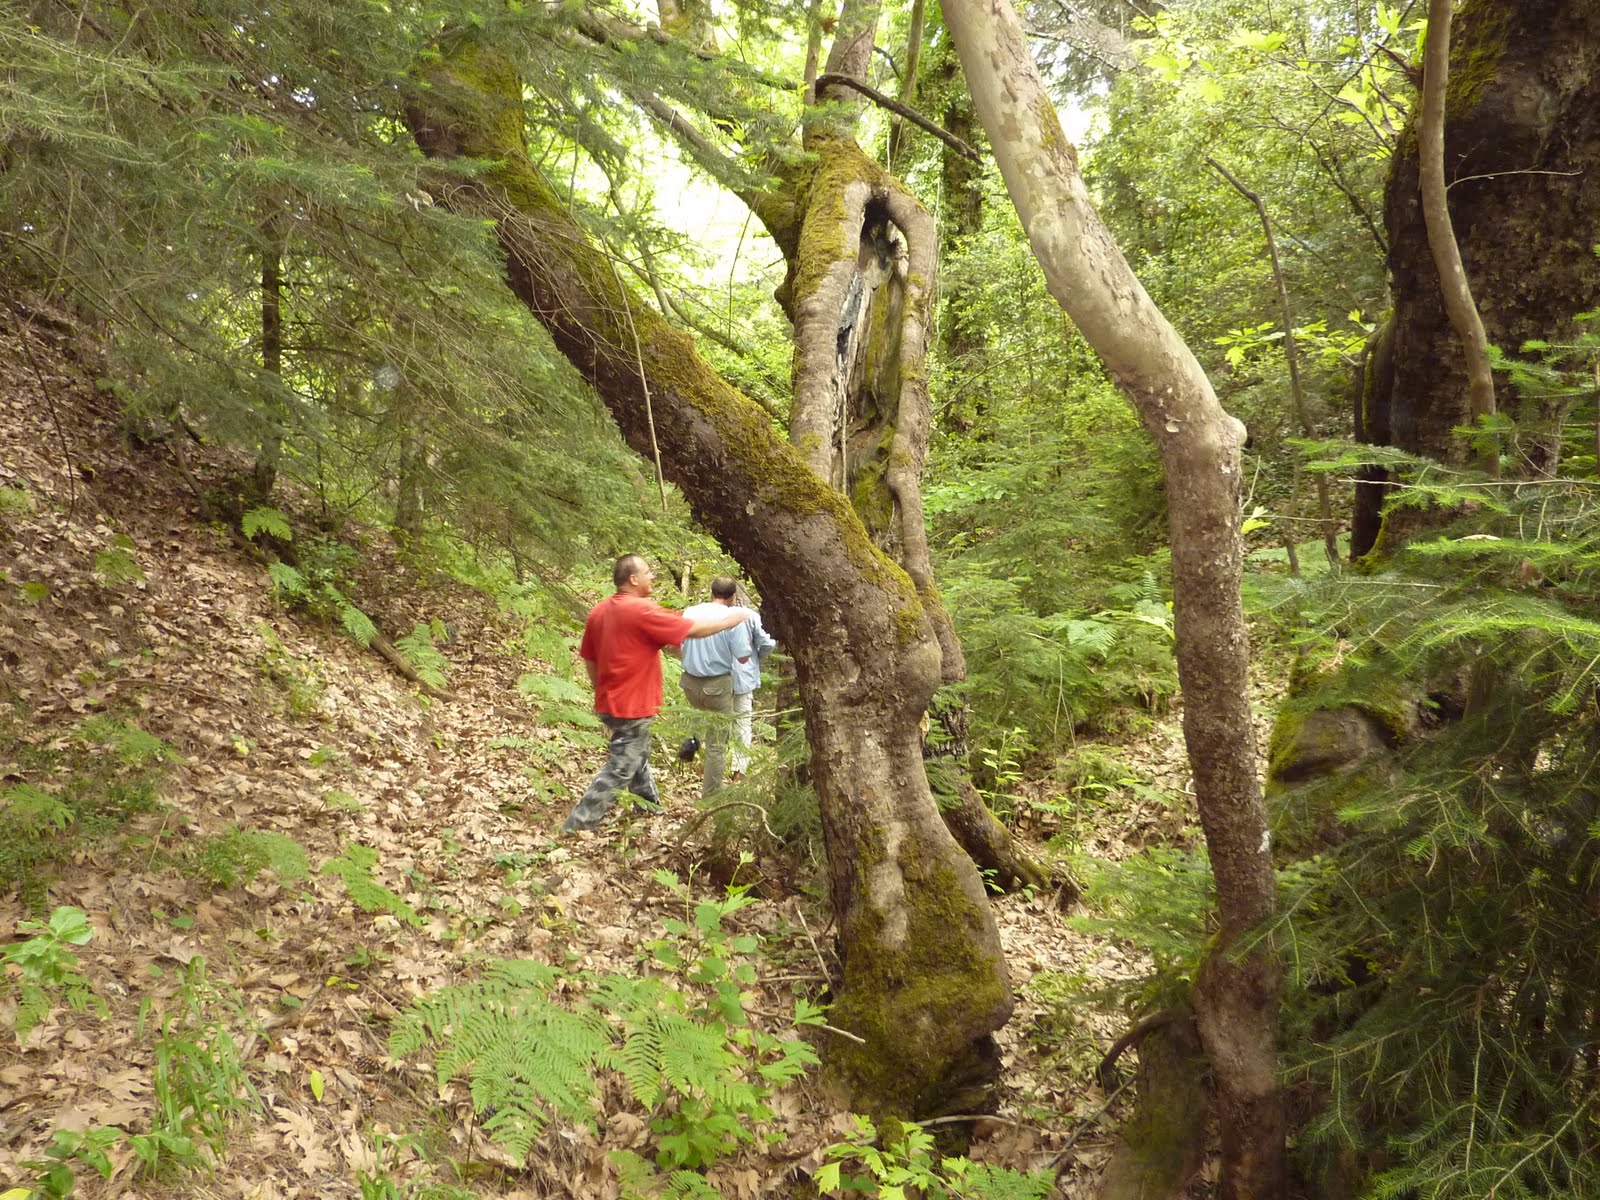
(621, 648)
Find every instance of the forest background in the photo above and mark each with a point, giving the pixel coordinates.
(295, 296)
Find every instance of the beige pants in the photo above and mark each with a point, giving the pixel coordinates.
(713, 694)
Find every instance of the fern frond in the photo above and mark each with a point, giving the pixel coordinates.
(266, 520)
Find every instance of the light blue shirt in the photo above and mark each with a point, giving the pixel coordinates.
(720, 653)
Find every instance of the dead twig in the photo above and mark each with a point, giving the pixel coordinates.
(821, 962)
(698, 819)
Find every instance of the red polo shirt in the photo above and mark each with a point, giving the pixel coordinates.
(623, 637)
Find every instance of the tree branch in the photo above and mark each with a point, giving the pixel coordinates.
(926, 124)
(1453, 282)
(1291, 353)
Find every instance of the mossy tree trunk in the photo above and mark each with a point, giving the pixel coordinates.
(1521, 144)
(1237, 989)
(860, 252)
(860, 292)
(924, 978)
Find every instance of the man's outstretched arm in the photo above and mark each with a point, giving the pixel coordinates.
(706, 626)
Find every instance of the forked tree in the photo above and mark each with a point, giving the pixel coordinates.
(925, 983)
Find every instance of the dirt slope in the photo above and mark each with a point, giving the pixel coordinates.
(280, 723)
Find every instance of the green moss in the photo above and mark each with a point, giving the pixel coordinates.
(1379, 695)
(915, 1005)
(483, 91)
(824, 239)
(1475, 59)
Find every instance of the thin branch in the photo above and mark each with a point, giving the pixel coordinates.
(698, 819)
(926, 124)
(1498, 174)
(1291, 353)
(1453, 282)
(800, 912)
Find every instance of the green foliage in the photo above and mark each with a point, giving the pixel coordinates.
(319, 585)
(354, 869)
(115, 564)
(56, 1174)
(640, 1180)
(132, 746)
(239, 855)
(903, 1165)
(47, 968)
(413, 389)
(559, 700)
(530, 1037)
(198, 1079)
(266, 520)
(1439, 931)
(28, 812)
(79, 792)
(1160, 900)
(15, 502)
(299, 682)
(420, 649)
(290, 582)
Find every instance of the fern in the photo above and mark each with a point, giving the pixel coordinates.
(354, 868)
(288, 581)
(422, 653)
(549, 689)
(266, 520)
(525, 1057)
(28, 812)
(356, 623)
(132, 745)
(639, 1180)
(684, 1051)
(238, 856)
(116, 565)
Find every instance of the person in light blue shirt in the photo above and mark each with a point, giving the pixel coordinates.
(720, 675)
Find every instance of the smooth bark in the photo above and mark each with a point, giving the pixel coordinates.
(1453, 283)
(1236, 994)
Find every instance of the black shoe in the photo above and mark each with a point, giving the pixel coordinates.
(687, 751)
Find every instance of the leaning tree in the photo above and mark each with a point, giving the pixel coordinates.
(860, 253)
(1237, 990)
(924, 982)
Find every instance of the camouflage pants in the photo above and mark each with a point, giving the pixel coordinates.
(627, 767)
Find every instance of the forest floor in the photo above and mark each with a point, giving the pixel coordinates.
(121, 611)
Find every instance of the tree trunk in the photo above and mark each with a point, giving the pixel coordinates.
(1236, 994)
(1522, 133)
(264, 474)
(924, 978)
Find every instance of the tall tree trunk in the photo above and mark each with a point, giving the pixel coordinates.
(1236, 994)
(264, 475)
(924, 978)
(1521, 137)
(962, 213)
(860, 294)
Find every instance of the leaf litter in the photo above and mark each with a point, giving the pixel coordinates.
(196, 651)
